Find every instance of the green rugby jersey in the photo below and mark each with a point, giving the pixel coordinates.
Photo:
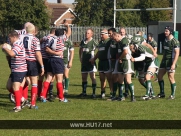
(169, 46)
(139, 38)
(113, 49)
(121, 45)
(88, 50)
(68, 46)
(153, 43)
(103, 49)
(144, 50)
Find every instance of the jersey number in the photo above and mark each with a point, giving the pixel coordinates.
(25, 42)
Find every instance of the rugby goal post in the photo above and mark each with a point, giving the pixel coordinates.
(174, 8)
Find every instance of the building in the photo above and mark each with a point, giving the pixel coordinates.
(61, 12)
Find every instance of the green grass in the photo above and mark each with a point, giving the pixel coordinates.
(88, 109)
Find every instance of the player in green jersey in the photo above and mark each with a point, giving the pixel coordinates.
(153, 43)
(86, 52)
(143, 54)
(124, 66)
(124, 34)
(68, 55)
(104, 66)
(168, 63)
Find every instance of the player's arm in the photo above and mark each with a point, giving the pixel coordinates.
(140, 58)
(11, 53)
(152, 49)
(71, 58)
(125, 51)
(57, 53)
(68, 30)
(177, 52)
(40, 61)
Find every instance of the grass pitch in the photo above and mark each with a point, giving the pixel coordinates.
(89, 109)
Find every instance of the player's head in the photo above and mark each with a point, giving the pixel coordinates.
(140, 33)
(133, 47)
(117, 36)
(59, 32)
(111, 31)
(104, 34)
(13, 36)
(150, 36)
(30, 29)
(168, 31)
(52, 30)
(122, 31)
(135, 40)
(26, 24)
(89, 33)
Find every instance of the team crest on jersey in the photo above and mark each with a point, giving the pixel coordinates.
(86, 49)
(166, 48)
(101, 48)
(113, 46)
(119, 50)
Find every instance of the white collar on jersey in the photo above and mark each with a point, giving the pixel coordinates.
(169, 39)
(86, 41)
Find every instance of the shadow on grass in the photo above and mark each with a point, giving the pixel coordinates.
(81, 85)
(4, 96)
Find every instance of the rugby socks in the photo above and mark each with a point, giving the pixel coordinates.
(148, 87)
(161, 84)
(33, 94)
(50, 89)
(84, 86)
(143, 84)
(173, 88)
(66, 83)
(39, 87)
(126, 86)
(121, 88)
(18, 99)
(60, 90)
(25, 91)
(45, 89)
(115, 87)
(94, 88)
(131, 88)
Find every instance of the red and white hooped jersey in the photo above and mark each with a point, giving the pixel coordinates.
(56, 44)
(31, 44)
(18, 63)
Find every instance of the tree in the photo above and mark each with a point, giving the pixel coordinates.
(14, 13)
(100, 12)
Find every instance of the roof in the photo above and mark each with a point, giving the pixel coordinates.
(58, 9)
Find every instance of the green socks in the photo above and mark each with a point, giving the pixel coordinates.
(131, 88)
(93, 88)
(66, 83)
(84, 86)
(161, 84)
(173, 88)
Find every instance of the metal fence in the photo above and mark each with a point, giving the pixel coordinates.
(78, 32)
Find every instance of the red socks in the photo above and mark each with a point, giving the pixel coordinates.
(39, 87)
(60, 90)
(18, 99)
(45, 89)
(33, 95)
(25, 91)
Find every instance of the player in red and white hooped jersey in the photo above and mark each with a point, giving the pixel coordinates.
(18, 66)
(33, 57)
(55, 48)
(43, 43)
